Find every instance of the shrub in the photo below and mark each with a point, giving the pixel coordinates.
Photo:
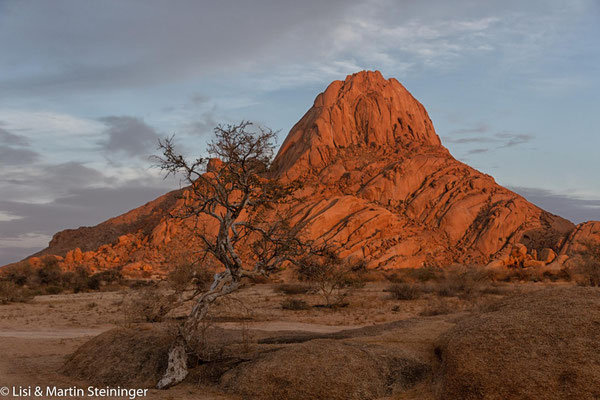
(53, 289)
(19, 273)
(331, 276)
(404, 291)
(50, 274)
(189, 275)
(292, 288)
(588, 265)
(423, 274)
(438, 307)
(148, 305)
(294, 304)
(12, 293)
(463, 281)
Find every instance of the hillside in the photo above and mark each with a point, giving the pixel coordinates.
(381, 185)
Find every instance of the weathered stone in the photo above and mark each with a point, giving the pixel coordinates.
(377, 181)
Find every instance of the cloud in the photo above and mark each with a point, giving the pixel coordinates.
(280, 43)
(573, 208)
(33, 224)
(513, 139)
(479, 134)
(480, 128)
(203, 126)
(15, 156)
(129, 135)
(199, 99)
(477, 151)
(11, 139)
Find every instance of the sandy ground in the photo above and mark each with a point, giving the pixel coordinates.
(37, 337)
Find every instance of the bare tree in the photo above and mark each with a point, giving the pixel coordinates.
(331, 276)
(236, 197)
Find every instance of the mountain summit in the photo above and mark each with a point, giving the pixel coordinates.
(380, 185)
(365, 110)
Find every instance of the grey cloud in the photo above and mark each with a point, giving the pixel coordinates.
(572, 208)
(80, 207)
(196, 38)
(513, 139)
(478, 151)
(15, 156)
(9, 138)
(477, 139)
(205, 125)
(502, 139)
(478, 128)
(130, 135)
(198, 99)
(52, 179)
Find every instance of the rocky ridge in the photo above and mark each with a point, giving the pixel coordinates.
(381, 186)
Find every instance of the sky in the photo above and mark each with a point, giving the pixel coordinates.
(87, 88)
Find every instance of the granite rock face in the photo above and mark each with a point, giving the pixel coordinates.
(378, 182)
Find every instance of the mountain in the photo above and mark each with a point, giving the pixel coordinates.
(380, 184)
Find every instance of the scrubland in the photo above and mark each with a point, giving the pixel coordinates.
(457, 332)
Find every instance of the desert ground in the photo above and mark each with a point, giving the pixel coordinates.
(38, 337)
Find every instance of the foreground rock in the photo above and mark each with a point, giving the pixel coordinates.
(122, 357)
(326, 369)
(543, 345)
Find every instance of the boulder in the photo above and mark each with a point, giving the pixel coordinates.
(540, 345)
(325, 369)
(547, 255)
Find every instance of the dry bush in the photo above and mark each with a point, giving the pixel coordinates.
(463, 281)
(20, 273)
(405, 291)
(331, 277)
(148, 304)
(294, 304)
(215, 344)
(152, 303)
(587, 265)
(50, 279)
(292, 288)
(187, 275)
(12, 293)
(519, 274)
(539, 345)
(409, 275)
(438, 306)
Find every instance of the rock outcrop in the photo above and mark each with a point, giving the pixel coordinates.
(544, 344)
(378, 182)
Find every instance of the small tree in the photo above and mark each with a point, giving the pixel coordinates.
(232, 200)
(331, 276)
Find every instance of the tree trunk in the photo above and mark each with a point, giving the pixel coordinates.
(177, 369)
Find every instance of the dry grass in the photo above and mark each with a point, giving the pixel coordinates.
(405, 291)
(439, 306)
(292, 288)
(294, 304)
